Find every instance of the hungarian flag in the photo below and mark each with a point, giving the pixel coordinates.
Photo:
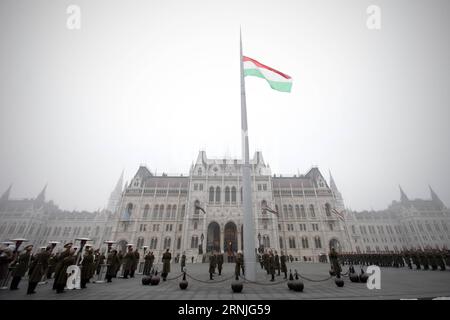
(199, 208)
(267, 208)
(276, 79)
(339, 214)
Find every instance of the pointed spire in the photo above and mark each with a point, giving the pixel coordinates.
(41, 195)
(5, 195)
(119, 185)
(334, 188)
(403, 197)
(435, 198)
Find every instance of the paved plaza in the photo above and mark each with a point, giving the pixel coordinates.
(396, 283)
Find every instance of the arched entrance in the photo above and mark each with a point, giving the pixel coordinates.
(213, 237)
(122, 246)
(230, 239)
(334, 243)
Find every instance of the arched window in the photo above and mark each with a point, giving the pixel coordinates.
(266, 242)
(227, 194)
(183, 210)
(194, 242)
(130, 209)
(168, 211)
(242, 197)
(263, 206)
(305, 243)
(233, 194)
(327, 209)
(196, 207)
(297, 211)
(291, 212)
(161, 211)
(317, 242)
(153, 243)
(146, 209)
(174, 211)
(167, 243)
(217, 194)
(292, 242)
(281, 243)
(211, 195)
(302, 211)
(311, 211)
(285, 211)
(140, 243)
(155, 211)
(199, 171)
(179, 243)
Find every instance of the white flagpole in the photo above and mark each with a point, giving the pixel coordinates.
(249, 222)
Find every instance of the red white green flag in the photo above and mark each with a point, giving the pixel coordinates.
(276, 79)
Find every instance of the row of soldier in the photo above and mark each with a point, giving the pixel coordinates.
(272, 262)
(426, 259)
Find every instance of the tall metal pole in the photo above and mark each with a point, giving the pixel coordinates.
(249, 222)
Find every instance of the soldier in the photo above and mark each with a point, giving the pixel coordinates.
(283, 265)
(40, 265)
(59, 261)
(147, 264)
(335, 263)
(192, 259)
(86, 267)
(99, 262)
(266, 261)
(128, 262)
(239, 264)
(167, 256)
(220, 262)
(440, 258)
(120, 257)
(135, 263)
(277, 262)
(69, 260)
(183, 261)
(212, 265)
(113, 265)
(51, 266)
(21, 266)
(271, 265)
(423, 259)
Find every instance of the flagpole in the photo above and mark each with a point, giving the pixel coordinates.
(249, 222)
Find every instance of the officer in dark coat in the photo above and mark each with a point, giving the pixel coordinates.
(335, 262)
(61, 280)
(51, 265)
(120, 257)
(128, 262)
(86, 267)
(183, 261)
(99, 261)
(135, 263)
(40, 264)
(59, 261)
(113, 263)
(283, 266)
(220, 262)
(212, 265)
(271, 265)
(148, 263)
(167, 256)
(277, 262)
(21, 267)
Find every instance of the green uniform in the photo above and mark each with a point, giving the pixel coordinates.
(39, 267)
(167, 256)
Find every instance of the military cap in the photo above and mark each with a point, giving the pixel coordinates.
(68, 245)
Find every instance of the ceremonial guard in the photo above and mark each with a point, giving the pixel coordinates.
(21, 267)
(113, 263)
(59, 261)
(283, 259)
(51, 266)
(86, 267)
(120, 257)
(61, 280)
(335, 262)
(40, 264)
(220, 262)
(148, 264)
(239, 264)
(167, 256)
(135, 263)
(128, 262)
(271, 265)
(277, 262)
(6, 257)
(212, 265)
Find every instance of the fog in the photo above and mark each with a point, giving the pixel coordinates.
(154, 82)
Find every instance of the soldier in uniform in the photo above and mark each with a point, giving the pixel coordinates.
(283, 259)
(334, 262)
(99, 262)
(86, 267)
(266, 261)
(128, 262)
(147, 263)
(277, 262)
(239, 264)
(183, 261)
(21, 267)
(192, 259)
(423, 259)
(69, 260)
(212, 265)
(167, 256)
(40, 264)
(113, 265)
(51, 266)
(120, 257)
(135, 263)
(220, 262)
(59, 261)
(271, 265)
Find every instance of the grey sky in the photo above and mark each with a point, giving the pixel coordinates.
(155, 81)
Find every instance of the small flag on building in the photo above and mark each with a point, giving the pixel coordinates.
(276, 79)
(200, 208)
(267, 208)
(339, 214)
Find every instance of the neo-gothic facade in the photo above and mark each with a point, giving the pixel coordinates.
(161, 211)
